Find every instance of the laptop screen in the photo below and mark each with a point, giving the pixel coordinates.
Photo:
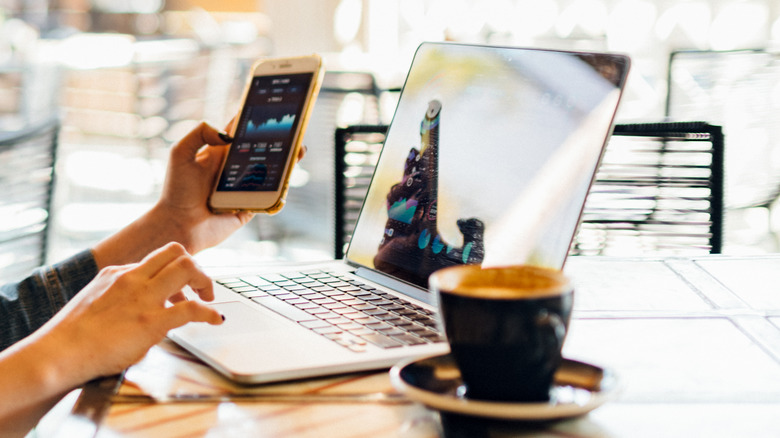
(488, 159)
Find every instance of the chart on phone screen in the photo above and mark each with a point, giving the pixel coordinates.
(270, 121)
(265, 133)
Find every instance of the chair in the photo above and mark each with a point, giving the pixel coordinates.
(26, 184)
(658, 189)
(356, 154)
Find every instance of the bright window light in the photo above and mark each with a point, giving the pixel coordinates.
(88, 51)
(534, 18)
(347, 20)
(685, 25)
(588, 17)
(739, 25)
(630, 24)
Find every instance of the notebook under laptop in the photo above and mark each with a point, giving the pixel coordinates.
(488, 160)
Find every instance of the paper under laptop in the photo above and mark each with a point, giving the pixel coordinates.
(488, 160)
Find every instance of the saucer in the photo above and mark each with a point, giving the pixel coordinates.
(435, 382)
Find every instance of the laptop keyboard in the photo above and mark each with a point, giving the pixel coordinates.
(348, 312)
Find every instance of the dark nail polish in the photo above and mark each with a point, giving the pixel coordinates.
(226, 138)
(223, 317)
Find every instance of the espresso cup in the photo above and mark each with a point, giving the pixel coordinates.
(505, 326)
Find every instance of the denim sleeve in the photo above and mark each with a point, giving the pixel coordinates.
(27, 305)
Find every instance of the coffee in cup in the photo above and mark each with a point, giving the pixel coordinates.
(505, 326)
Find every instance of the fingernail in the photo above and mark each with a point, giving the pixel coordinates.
(226, 138)
(223, 317)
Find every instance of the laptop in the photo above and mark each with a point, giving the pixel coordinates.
(488, 159)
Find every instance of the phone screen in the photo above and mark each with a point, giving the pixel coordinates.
(265, 133)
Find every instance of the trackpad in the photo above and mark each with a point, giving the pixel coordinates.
(253, 342)
(241, 319)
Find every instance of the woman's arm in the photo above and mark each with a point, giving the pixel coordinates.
(105, 328)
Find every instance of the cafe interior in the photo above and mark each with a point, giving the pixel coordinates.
(101, 89)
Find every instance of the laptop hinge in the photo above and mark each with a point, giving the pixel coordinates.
(396, 285)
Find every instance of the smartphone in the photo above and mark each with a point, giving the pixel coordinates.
(278, 100)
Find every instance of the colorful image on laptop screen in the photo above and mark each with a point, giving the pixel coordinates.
(488, 159)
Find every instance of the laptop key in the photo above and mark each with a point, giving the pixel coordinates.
(339, 320)
(255, 280)
(315, 324)
(405, 312)
(342, 297)
(361, 331)
(285, 296)
(408, 339)
(392, 331)
(362, 306)
(429, 322)
(334, 306)
(381, 340)
(273, 278)
(287, 310)
(254, 294)
(311, 295)
(227, 281)
(360, 293)
(293, 275)
(331, 292)
(285, 283)
(378, 326)
(330, 330)
(426, 334)
(307, 306)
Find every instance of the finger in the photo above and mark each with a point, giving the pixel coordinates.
(229, 126)
(205, 294)
(158, 259)
(203, 134)
(191, 311)
(177, 297)
(183, 271)
(244, 217)
(301, 153)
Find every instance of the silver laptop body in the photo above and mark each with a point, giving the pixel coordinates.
(488, 159)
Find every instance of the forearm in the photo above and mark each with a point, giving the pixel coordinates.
(133, 242)
(33, 375)
(194, 227)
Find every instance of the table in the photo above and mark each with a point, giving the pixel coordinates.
(694, 341)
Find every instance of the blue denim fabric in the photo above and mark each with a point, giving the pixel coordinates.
(27, 305)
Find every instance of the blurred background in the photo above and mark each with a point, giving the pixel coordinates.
(126, 78)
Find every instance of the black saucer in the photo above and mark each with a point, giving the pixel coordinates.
(435, 382)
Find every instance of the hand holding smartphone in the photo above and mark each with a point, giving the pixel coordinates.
(267, 136)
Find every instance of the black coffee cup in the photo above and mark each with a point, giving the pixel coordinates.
(506, 327)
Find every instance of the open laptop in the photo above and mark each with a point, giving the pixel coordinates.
(488, 159)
